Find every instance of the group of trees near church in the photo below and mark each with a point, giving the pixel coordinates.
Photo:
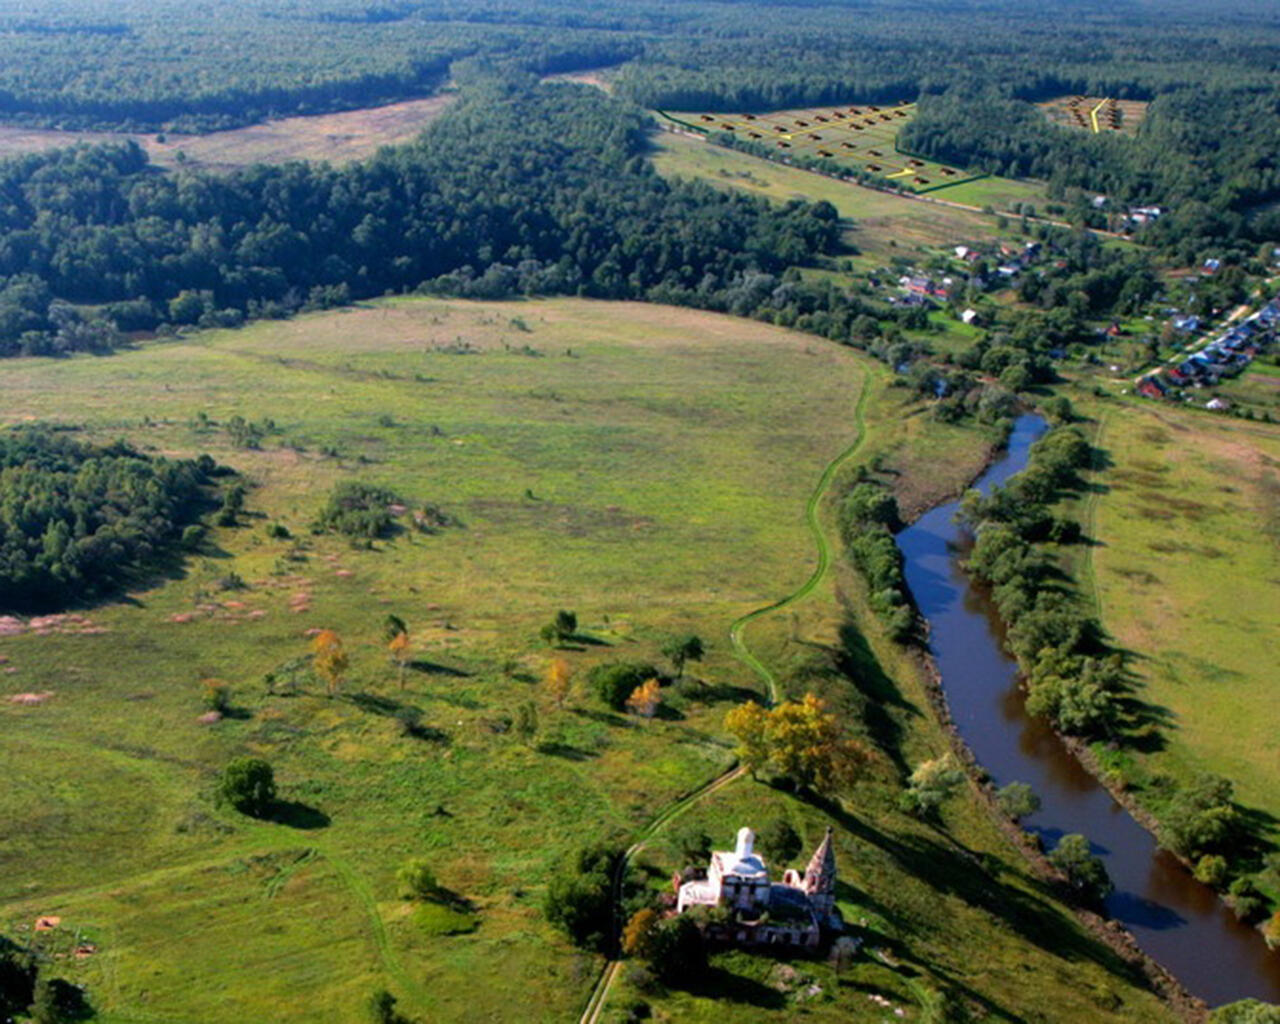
(77, 519)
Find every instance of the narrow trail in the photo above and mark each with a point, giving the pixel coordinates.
(600, 992)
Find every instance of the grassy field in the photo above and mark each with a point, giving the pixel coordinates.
(338, 138)
(885, 225)
(1186, 573)
(645, 466)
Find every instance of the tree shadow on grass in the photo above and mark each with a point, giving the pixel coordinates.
(860, 665)
(566, 751)
(718, 693)
(295, 814)
(605, 717)
(725, 986)
(435, 668)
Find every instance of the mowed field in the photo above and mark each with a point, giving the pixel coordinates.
(1187, 571)
(647, 467)
(885, 225)
(338, 138)
(862, 138)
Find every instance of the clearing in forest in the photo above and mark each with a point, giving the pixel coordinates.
(1096, 114)
(337, 138)
(855, 137)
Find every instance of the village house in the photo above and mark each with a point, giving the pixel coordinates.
(747, 908)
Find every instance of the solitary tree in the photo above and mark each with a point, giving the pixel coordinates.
(559, 675)
(1018, 800)
(566, 623)
(248, 784)
(329, 659)
(682, 649)
(931, 784)
(398, 648)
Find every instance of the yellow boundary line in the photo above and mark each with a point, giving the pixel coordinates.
(1093, 115)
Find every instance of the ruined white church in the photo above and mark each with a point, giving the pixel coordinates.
(755, 910)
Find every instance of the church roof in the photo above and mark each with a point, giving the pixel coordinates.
(748, 866)
(821, 872)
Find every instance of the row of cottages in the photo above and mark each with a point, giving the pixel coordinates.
(1226, 354)
(755, 910)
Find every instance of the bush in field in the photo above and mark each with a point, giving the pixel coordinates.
(930, 785)
(358, 510)
(248, 784)
(616, 681)
(416, 880)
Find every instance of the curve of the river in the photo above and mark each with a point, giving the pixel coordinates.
(1175, 919)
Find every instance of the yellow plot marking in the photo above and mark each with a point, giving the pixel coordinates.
(1093, 116)
(899, 174)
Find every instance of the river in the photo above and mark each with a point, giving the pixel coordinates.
(1175, 919)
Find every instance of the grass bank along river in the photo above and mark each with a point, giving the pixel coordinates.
(1175, 919)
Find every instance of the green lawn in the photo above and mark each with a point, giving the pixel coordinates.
(647, 467)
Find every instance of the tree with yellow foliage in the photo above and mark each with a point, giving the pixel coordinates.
(747, 724)
(638, 935)
(329, 659)
(398, 648)
(800, 740)
(559, 675)
(646, 698)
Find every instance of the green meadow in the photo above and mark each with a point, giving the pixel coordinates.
(646, 467)
(1185, 573)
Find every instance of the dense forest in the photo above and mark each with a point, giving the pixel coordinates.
(77, 519)
(1208, 142)
(521, 190)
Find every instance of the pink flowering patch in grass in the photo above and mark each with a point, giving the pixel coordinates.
(344, 574)
(30, 699)
(210, 718)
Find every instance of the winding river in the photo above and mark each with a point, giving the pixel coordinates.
(1176, 920)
